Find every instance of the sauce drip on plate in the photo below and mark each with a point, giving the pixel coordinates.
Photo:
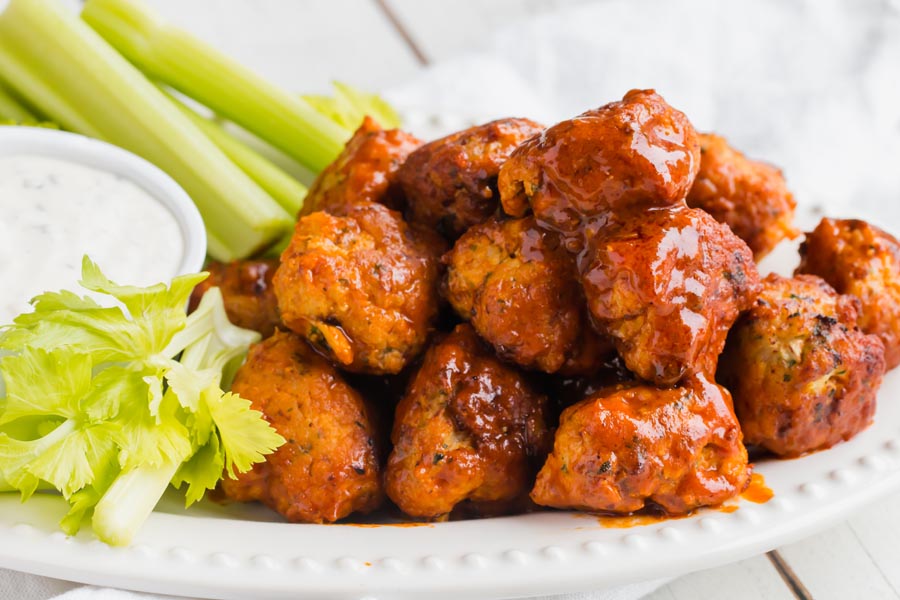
(757, 491)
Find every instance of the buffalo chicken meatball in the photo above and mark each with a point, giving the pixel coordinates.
(469, 430)
(518, 287)
(328, 468)
(630, 445)
(803, 376)
(639, 152)
(860, 259)
(451, 183)
(361, 288)
(365, 171)
(247, 293)
(667, 284)
(748, 196)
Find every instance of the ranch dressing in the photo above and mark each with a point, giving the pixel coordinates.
(53, 212)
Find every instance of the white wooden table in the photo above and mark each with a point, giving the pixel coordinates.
(304, 44)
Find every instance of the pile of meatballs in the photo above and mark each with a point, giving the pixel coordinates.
(515, 317)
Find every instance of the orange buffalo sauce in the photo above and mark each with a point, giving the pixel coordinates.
(757, 491)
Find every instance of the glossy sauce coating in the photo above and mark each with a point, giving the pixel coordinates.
(365, 171)
(518, 287)
(860, 259)
(247, 293)
(803, 376)
(749, 196)
(470, 429)
(328, 468)
(638, 152)
(758, 492)
(666, 285)
(361, 288)
(451, 183)
(627, 446)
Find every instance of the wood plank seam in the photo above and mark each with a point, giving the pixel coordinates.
(403, 32)
(874, 562)
(787, 574)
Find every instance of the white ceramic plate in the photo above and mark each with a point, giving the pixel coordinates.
(244, 552)
(238, 553)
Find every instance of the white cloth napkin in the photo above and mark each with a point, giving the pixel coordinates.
(810, 85)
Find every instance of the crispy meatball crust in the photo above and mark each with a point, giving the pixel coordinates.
(451, 183)
(247, 293)
(469, 429)
(860, 259)
(329, 466)
(361, 288)
(750, 197)
(639, 152)
(365, 171)
(666, 285)
(678, 448)
(803, 376)
(518, 287)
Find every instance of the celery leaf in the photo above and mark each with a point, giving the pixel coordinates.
(109, 404)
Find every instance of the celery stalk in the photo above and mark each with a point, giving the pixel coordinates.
(190, 66)
(11, 107)
(127, 504)
(218, 248)
(63, 68)
(366, 104)
(286, 190)
(276, 250)
(30, 84)
(349, 106)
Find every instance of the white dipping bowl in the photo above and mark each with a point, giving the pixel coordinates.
(60, 145)
(77, 149)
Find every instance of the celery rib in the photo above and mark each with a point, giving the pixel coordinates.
(42, 93)
(186, 64)
(286, 190)
(127, 504)
(11, 108)
(349, 106)
(69, 73)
